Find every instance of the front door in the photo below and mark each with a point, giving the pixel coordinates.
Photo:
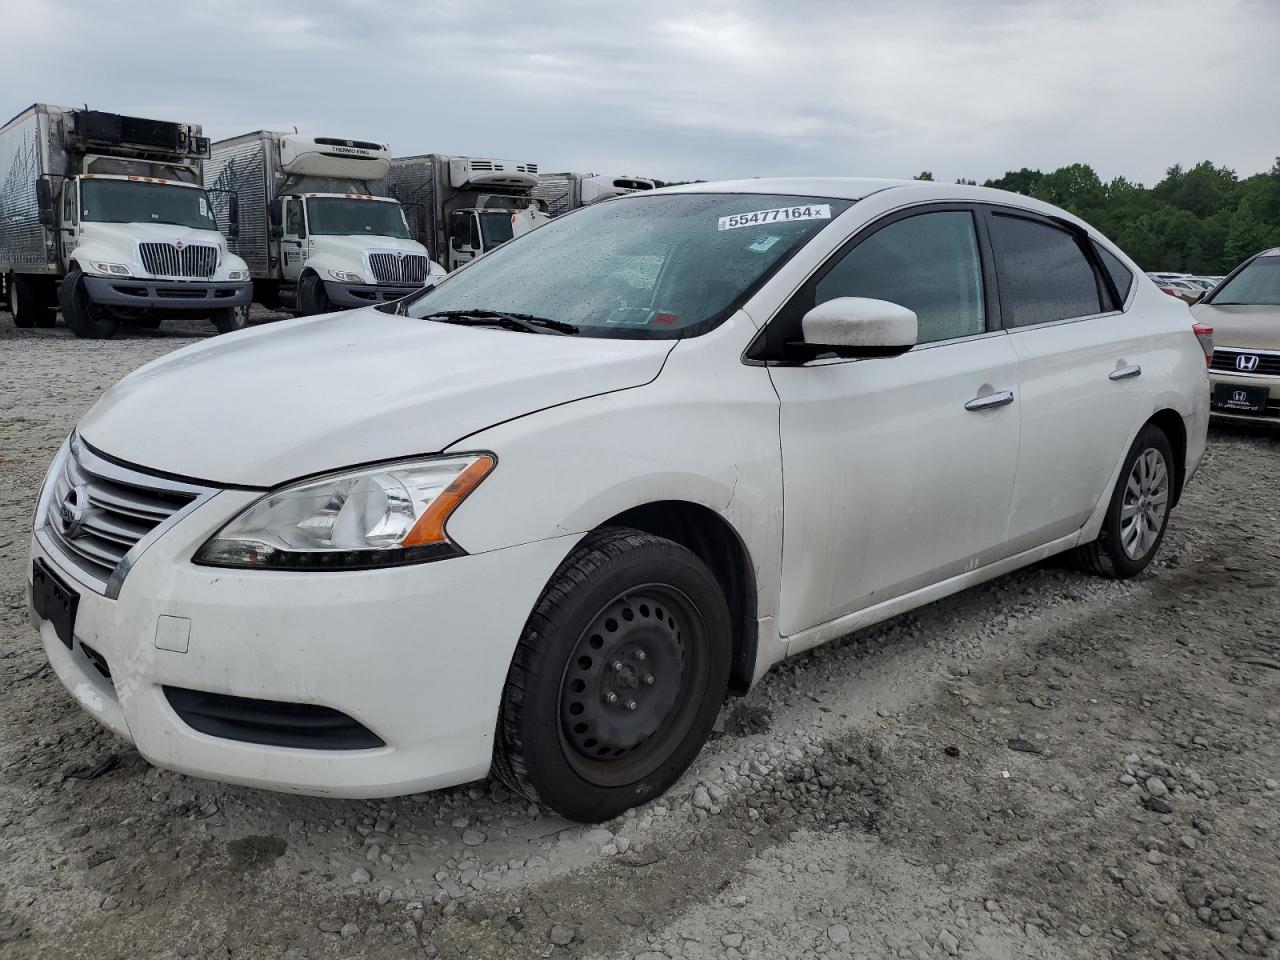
(69, 231)
(897, 472)
(1080, 360)
(464, 238)
(293, 241)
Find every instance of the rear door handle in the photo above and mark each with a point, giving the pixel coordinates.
(1125, 373)
(990, 401)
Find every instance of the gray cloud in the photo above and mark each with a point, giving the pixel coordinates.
(697, 88)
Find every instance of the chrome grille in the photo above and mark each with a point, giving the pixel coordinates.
(166, 260)
(390, 268)
(1267, 365)
(96, 519)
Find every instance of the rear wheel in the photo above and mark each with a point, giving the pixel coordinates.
(1138, 514)
(84, 317)
(29, 302)
(230, 319)
(617, 678)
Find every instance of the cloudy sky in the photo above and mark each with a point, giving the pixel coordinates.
(688, 88)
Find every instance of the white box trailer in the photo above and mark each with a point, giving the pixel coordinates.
(562, 192)
(316, 226)
(461, 207)
(105, 216)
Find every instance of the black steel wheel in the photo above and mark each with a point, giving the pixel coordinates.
(85, 318)
(617, 679)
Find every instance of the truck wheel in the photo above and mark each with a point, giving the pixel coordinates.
(311, 297)
(230, 319)
(617, 679)
(85, 318)
(27, 306)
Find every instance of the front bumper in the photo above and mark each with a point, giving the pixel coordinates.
(364, 294)
(1272, 413)
(168, 294)
(418, 655)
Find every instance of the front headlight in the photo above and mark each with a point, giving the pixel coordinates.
(112, 269)
(375, 517)
(238, 275)
(343, 277)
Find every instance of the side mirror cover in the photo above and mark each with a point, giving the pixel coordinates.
(859, 327)
(276, 231)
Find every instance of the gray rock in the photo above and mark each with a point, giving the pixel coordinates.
(560, 935)
(348, 931)
(473, 838)
(1156, 787)
(360, 875)
(733, 940)
(838, 933)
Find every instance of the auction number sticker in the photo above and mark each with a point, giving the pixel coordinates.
(812, 211)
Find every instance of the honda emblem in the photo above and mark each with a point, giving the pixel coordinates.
(1246, 363)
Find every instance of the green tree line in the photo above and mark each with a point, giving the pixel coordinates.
(1204, 220)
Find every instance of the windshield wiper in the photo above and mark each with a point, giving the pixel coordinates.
(526, 322)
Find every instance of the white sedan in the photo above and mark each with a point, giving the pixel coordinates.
(543, 517)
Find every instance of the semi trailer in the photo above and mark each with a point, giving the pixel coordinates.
(105, 217)
(315, 224)
(563, 192)
(462, 207)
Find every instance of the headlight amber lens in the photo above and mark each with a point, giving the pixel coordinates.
(379, 516)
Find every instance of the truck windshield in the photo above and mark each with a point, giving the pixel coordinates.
(1258, 284)
(495, 228)
(645, 266)
(134, 201)
(344, 217)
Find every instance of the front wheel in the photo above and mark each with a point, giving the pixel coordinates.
(617, 678)
(85, 318)
(1138, 514)
(312, 299)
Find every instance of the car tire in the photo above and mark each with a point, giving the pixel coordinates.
(1138, 514)
(84, 317)
(230, 319)
(617, 678)
(312, 299)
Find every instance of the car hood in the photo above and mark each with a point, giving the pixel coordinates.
(355, 245)
(127, 234)
(299, 397)
(1241, 325)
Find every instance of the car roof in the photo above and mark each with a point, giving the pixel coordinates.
(858, 188)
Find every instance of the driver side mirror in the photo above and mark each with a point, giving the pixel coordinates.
(44, 200)
(858, 328)
(276, 231)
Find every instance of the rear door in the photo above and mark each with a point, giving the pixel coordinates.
(1080, 361)
(897, 472)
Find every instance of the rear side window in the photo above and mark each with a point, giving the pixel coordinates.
(927, 263)
(1043, 273)
(1119, 273)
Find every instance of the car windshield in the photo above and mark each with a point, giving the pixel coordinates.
(1257, 284)
(343, 217)
(496, 228)
(648, 266)
(132, 201)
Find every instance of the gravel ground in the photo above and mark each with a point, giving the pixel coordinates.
(1047, 766)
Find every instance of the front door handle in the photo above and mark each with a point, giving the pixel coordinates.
(990, 401)
(1125, 373)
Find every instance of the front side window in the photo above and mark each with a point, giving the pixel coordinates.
(344, 217)
(650, 266)
(69, 202)
(927, 263)
(293, 218)
(131, 201)
(1258, 284)
(1044, 274)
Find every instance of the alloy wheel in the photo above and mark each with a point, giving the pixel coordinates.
(1145, 504)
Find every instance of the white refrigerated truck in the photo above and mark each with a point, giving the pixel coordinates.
(105, 216)
(316, 227)
(563, 192)
(462, 207)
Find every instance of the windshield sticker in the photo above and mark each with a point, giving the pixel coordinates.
(204, 208)
(812, 211)
(763, 242)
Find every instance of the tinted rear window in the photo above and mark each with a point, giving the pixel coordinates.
(1043, 273)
